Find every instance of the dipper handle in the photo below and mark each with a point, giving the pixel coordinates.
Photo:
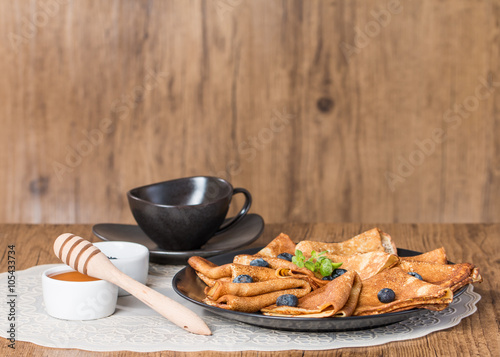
(83, 256)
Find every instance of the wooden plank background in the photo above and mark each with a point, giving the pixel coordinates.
(334, 111)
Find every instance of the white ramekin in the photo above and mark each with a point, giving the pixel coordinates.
(77, 300)
(131, 258)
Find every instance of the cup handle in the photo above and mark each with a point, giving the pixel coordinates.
(242, 213)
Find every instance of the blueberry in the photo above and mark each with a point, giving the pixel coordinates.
(338, 272)
(243, 278)
(386, 295)
(287, 300)
(285, 256)
(259, 262)
(418, 276)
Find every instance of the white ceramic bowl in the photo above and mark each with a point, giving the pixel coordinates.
(77, 300)
(131, 258)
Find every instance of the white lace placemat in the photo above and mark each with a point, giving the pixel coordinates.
(135, 327)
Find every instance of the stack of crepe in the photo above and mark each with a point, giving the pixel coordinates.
(372, 264)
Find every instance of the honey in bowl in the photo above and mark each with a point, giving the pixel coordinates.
(72, 276)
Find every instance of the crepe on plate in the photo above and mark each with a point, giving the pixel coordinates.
(365, 264)
(280, 244)
(211, 273)
(257, 302)
(220, 289)
(452, 276)
(434, 256)
(369, 241)
(371, 262)
(274, 263)
(338, 297)
(410, 293)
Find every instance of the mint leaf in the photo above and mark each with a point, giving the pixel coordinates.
(317, 262)
(297, 261)
(321, 259)
(336, 265)
(310, 265)
(326, 268)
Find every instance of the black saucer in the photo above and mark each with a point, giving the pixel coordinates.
(242, 233)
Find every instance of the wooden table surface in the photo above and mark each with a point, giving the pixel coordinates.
(476, 335)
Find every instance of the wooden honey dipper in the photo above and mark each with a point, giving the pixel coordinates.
(84, 257)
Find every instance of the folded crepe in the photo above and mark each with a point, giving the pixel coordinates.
(257, 273)
(437, 256)
(274, 263)
(210, 281)
(365, 264)
(280, 244)
(209, 269)
(452, 276)
(298, 273)
(210, 273)
(370, 241)
(410, 293)
(254, 303)
(252, 289)
(337, 298)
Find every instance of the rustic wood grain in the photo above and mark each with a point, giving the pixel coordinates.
(308, 104)
(476, 335)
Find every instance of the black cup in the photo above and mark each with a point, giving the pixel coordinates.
(183, 214)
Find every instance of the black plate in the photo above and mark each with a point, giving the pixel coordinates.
(241, 234)
(187, 284)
